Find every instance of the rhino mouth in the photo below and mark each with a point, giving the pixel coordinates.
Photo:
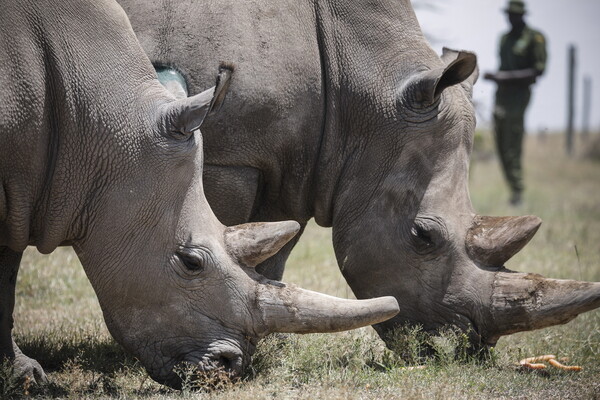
(205, 372)
(220, 361)
(394, 331)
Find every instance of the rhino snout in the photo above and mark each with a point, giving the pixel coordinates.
(230, 361)
(220, 361)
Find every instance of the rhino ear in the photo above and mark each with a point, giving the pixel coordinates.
(187, 115)
(461, 66)
(449, 56)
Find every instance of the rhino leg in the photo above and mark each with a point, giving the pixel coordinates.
(23, 365)
(231, 192)
(28, 367)
(9, 266)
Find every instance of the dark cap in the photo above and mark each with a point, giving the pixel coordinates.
(515, 7)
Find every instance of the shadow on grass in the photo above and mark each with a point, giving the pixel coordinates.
(84, 365)
(91, 353)
(81, 365)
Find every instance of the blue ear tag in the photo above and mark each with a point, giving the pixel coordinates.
(172, 80)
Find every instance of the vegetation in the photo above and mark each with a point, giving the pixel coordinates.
(58, 320)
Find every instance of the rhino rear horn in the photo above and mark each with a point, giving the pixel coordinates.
(253, 243)
(491, 241)
(460, 67)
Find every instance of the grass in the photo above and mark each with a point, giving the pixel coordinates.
(58, 320)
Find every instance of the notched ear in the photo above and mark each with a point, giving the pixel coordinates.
(187, 115)
(460, 67)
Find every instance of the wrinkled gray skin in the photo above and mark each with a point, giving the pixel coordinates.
(98, 155)
(340, 110)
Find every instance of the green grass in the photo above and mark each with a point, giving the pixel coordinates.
(58, 320)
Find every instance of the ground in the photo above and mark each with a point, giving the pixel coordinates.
(58, 320)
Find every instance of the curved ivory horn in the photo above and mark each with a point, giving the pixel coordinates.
(253, 243)
(491, 241)
(524, 302)
(287, 308)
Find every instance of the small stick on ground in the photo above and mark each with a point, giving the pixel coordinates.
(556, 364)
(535, 363)
(537, 359)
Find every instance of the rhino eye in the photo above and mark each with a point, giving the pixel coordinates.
(428, 234)
(194, 259)
(191, 263)
(422, 235)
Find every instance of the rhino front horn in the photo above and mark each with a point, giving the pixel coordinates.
(252, 243)
(290, 309)
(491, 241)
(523, 302)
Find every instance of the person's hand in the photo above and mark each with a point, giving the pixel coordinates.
(489, 76)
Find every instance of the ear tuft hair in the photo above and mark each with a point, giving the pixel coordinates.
(222, 85)
(226, 65)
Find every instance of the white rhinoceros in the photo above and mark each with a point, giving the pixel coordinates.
(341, 111)
(96, 154)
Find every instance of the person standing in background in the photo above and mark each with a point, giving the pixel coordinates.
(522, 59)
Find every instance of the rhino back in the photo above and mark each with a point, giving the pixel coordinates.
(315, 83)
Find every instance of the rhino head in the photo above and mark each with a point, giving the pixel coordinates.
(174, 284)
(417, 238)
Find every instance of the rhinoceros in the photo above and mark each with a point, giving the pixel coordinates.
(96, 154)
(342, 112)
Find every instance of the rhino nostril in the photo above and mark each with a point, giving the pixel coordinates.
(225, 362)
(231, 362)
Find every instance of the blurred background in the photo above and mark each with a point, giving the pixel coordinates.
(477, 25)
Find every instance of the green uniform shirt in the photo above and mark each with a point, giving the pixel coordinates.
(523, 50)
